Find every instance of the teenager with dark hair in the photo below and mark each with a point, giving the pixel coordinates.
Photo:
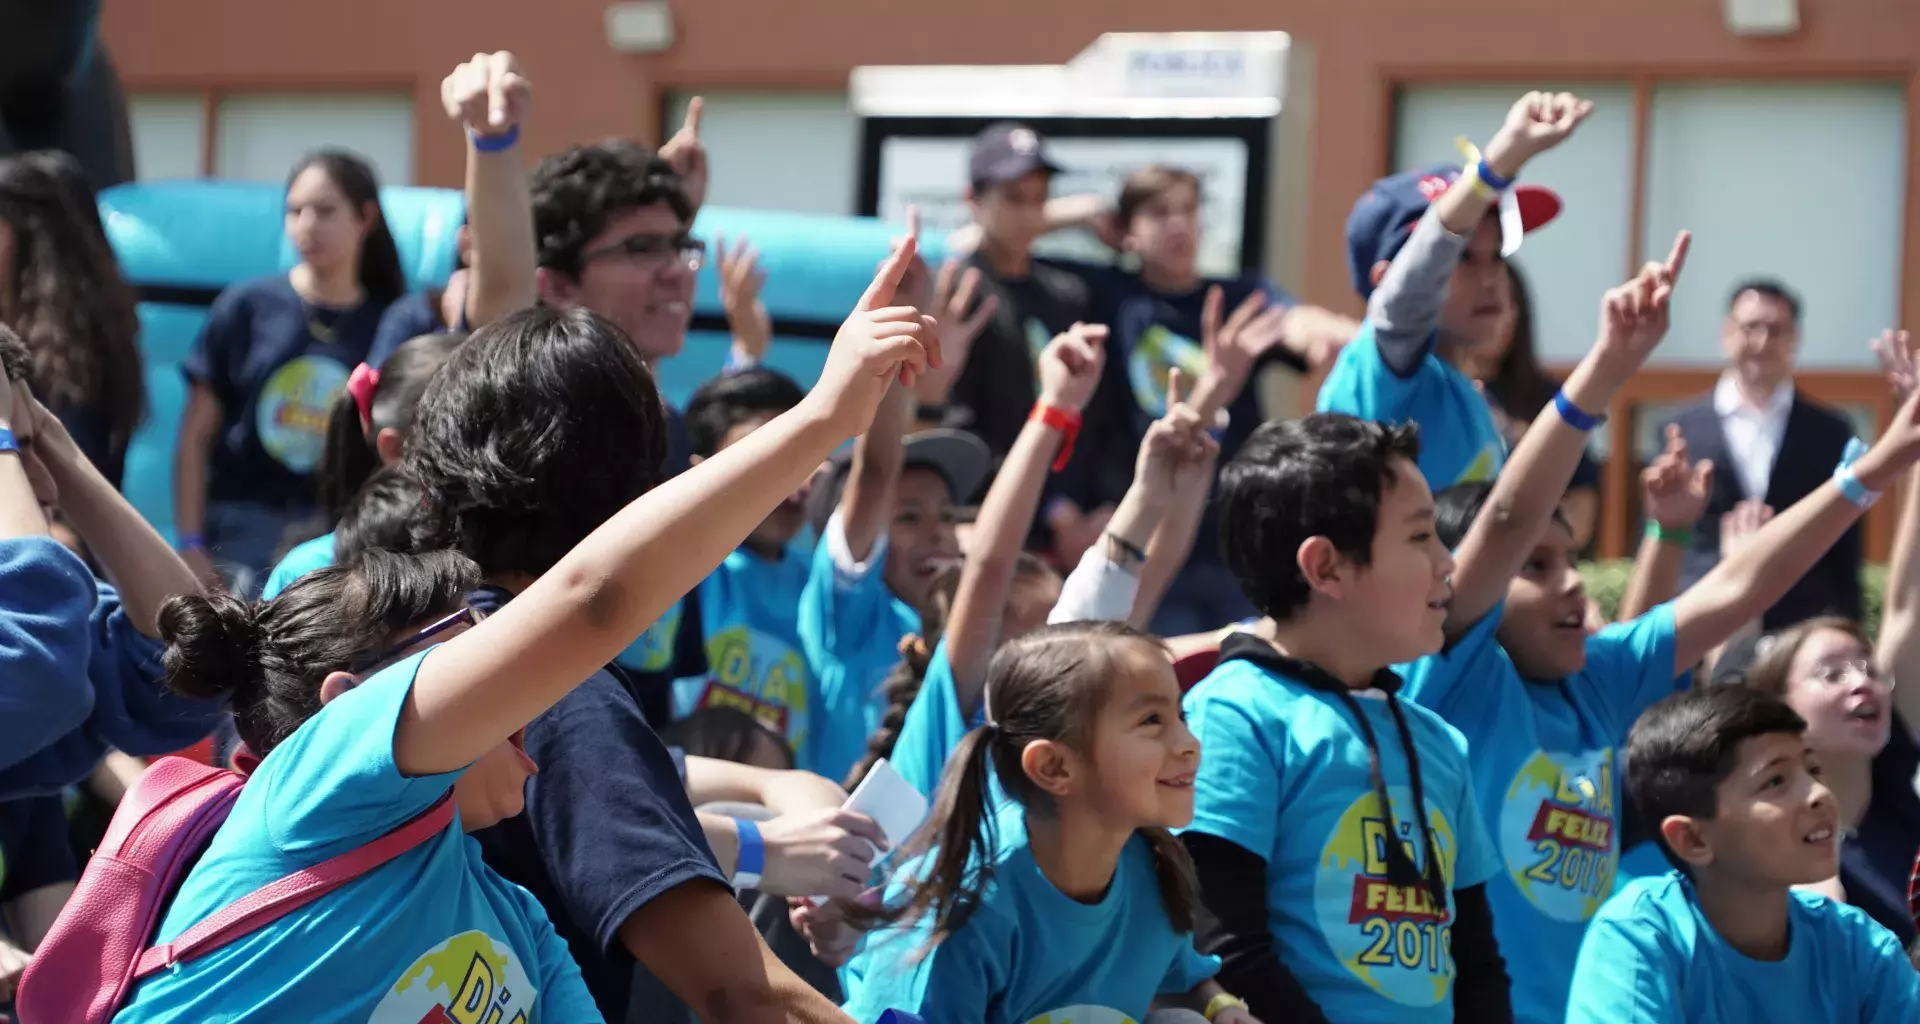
(1734, 794)
(1071, 893)
(61, 291)
(274, 355)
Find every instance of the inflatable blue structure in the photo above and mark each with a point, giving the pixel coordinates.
(180, 243)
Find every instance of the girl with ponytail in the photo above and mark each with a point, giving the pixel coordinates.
(1060, 888)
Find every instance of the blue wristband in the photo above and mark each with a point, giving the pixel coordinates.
(1850, 486)
(753, 855)
(1494, 181)
(494, 143)
(1575, 417)
(190, 542)
(8, 443)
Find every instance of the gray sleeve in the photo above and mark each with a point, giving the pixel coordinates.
(1406, 306)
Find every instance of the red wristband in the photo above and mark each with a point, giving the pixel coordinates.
(1066, 421)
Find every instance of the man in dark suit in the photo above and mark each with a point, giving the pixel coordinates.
(1769, 441)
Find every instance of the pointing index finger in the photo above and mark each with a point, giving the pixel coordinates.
(1677, 257)
(887, 278)
(695, 107)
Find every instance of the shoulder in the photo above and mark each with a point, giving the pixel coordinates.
(590, 712)
(1655, 904)
(1427, 725)
(1829, 418)
(1241, 683)
(271, 291)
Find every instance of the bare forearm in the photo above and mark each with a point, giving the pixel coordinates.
(500, 217)
(1655, 579)
(1511, 520)
(877, 455)
(1167, 552)
(140, 562)
(987, 579)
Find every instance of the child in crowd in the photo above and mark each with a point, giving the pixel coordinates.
(1442, 287)
(1735, 797)
(367, 431)
(79, 663)
(1072, 895)
(361, 730)
(1341, 855)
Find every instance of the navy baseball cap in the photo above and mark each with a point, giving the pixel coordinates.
(1007, 151)
(1385, 216)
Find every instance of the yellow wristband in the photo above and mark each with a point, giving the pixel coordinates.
(1221, 1002)
(1470, 177)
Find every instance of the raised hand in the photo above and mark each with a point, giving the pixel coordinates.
(1070, 366)
(1535, 123)
(1898, 361)
(878, 343)
(688, 156)
(740, 281)
(1317, 335)
(1675, 491)
(820, 853)
(1177, 452)
(1634, 317)
(1741, 522)
(1234, 346)
(487, 94)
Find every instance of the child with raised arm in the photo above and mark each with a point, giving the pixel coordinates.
(1069, 899)
(1544, 705)
(370, 698)
(1342, 860)
(1442, 290)
(1734, 793)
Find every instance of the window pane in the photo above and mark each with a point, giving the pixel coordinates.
(168, 132)
(261, 137)
(1804, 182)
(1569, 263)
(793, 151)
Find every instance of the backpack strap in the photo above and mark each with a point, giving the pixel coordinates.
(279, 898)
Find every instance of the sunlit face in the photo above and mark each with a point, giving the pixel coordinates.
(1399, 601)
(1543, 628)
(1479, 298)
(784, 523)
(1775, 822)
(1165, 233)
(649, 296)
(1834, 684)
(1142, 755)
(921, 539)
(326, 228)
(1013, 214)
(1760, 339)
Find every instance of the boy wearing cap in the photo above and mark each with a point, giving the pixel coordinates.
(1439, 290)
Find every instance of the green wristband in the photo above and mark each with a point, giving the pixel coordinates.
(1678, 536)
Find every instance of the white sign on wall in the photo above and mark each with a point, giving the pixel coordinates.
(931, 173)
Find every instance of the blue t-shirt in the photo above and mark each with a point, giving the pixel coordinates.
(276, 364)
(1458, 440)
(933, 727)
(304, 558)
(1651, 957)
(750, 621)
(1284, 775)
(850, 630)
(423, 936)
(1029, 952)
(1546, 760)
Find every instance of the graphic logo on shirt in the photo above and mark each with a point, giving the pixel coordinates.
(1157, 352)
(1392, 937)
(291, 415)
(468, 979)
(1483, 467)
(1558, 832)
(1083, 1015)
(759, 673)
(653, 652)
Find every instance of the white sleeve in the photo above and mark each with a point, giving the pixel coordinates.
(847, 570)
(1097, 591)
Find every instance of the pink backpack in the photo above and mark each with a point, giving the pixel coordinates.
(98, 948)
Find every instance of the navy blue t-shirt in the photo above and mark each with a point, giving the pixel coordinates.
(410, 316)
(34, 852)
(276, 364)
(1877, 861)
(608, 826)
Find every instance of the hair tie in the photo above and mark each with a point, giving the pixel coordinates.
(912, 646)
(361, 385)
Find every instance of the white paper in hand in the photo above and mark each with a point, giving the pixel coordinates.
(892, 803)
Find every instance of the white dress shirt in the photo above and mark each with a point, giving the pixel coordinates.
(1753, 433)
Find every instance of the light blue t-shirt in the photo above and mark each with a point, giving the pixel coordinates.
(1546, 764)
(850, 629)
(933, 727)
(1030, 954)
(749, 619)
(1458, 440)
(433, 934)
(1284, 775)
(1651, 957)
(305, 557)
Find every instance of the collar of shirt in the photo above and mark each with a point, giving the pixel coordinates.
(1729, 400)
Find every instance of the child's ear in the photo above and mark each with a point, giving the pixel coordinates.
(1322, 566)
(1050, 766)
(556, 289)
(1687, 839)
(336, 684)
(387, 444)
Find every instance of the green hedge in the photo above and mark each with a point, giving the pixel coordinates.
(1607, 583)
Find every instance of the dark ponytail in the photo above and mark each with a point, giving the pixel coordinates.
(347, 459)
(350, 456)
(962, 835)
(380, 274)
(271, 658)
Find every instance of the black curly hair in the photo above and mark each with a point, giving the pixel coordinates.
(576, 192)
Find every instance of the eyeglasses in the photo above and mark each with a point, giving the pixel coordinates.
(1764, 330)
(1841, 673)
(654, 252)
(466, 615)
